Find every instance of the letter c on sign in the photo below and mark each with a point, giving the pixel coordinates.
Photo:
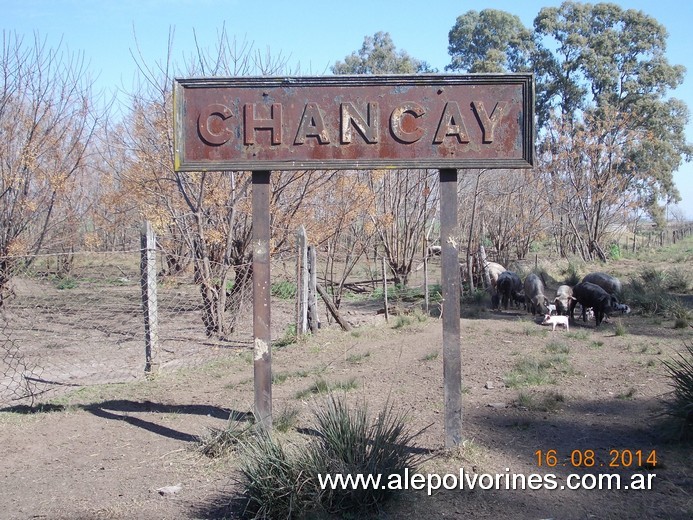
(211, 124)
(401, 128)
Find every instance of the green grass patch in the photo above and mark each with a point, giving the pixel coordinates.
(284, 290)
(355, 359)
(323, 387)
(431, 356)
(289, 337)
(280, 377)
(681, 315)
(401, 321)
(620, 329)
(555, 347)
(286, 419)
(581, 335)
(530, 372)
(532, 330)
(537, 372)
(64, 283)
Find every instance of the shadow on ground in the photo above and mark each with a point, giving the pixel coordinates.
(122, 410)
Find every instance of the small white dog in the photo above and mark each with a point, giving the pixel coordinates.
(555, 320)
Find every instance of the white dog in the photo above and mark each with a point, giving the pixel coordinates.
(555, 320)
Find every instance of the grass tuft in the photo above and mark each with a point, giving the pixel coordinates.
(286, 419)
(555, 347)
(358, 358)
(541, 402)
(529, 372)
(219, 442)
(628, 394)
(620, 329)
(289, 338)
(323, 387)
(431, 356)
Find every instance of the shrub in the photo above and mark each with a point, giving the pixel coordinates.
(435, 293)
(680, 405)
(681, 315)
(678, 280)
(478, 297)
(648, 292)
(651, 293)
(285, 483)
(355, 444)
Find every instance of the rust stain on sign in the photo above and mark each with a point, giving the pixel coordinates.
(350, 122)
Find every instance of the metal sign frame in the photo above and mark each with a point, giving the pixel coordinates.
(354, 122)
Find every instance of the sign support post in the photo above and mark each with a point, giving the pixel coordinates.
(262, 352)
(450, 266)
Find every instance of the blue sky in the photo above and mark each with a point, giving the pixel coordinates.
(312, 35)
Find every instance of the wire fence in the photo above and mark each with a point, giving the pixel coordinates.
(60, 331)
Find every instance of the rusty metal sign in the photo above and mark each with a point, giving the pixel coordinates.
(354, 122)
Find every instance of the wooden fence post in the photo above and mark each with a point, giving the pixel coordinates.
(387, 310)
(149, 298)
(425, 275)
(302, 282)
(484, 268)
(313, 322)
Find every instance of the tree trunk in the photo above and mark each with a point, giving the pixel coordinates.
(470, 255)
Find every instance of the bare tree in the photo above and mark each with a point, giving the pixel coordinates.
(405, 202)
(46, 127)
(589, 183)
(513, 212)
(346, 231)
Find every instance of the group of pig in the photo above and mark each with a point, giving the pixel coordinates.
(597, 294)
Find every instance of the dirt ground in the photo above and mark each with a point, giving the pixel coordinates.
(104, 451)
